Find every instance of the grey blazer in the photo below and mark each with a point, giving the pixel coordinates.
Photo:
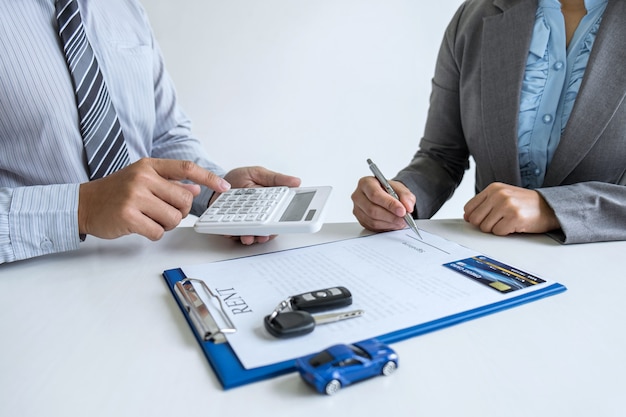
(474, 108)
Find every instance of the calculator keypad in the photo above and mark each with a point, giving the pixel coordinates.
(249, 205)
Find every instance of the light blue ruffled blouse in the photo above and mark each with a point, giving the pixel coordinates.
(551, 82)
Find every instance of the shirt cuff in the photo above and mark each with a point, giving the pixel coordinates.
(43, 220)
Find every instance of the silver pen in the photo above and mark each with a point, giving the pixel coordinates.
(383, 181)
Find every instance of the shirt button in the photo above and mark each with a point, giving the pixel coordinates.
(46, 244)
(537, 171)
(547, 118)
(558, 65)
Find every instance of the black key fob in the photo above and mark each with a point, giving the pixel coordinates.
(289, 324)
(321, 300)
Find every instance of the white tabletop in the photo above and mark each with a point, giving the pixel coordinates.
(97, 333)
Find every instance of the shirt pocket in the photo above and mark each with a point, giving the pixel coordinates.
(129, 73)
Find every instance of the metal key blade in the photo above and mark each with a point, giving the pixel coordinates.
(333, 317)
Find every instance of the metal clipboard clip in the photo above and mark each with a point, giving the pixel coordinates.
(205, 325)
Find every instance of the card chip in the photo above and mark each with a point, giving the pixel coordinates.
(500, 286)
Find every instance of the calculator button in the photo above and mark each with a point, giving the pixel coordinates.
(211, 218)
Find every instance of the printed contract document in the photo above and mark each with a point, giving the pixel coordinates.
(398, 280)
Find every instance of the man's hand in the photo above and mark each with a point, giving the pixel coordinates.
(259, 177)
(145, 198)
(503, 209)
(248, 177)
(376, 210)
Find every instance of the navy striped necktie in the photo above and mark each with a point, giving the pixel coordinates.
(99, 125)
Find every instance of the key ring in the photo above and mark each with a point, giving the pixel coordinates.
(285, 304)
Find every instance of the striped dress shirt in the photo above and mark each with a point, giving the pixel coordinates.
(42, 162)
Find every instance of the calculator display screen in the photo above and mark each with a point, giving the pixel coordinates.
(297, 207)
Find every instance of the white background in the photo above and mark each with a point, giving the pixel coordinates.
(308, 88)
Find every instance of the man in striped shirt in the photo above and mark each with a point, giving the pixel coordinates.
(47, 201)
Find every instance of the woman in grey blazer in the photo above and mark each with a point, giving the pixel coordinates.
(475, 110)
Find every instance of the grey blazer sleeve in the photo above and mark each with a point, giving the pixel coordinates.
(588, 211)
(438, 167)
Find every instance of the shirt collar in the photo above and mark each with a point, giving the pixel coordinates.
(589, 4)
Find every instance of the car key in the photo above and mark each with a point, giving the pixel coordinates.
(297, 323)
(325, 299)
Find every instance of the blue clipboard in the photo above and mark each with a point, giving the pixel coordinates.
(231, 373)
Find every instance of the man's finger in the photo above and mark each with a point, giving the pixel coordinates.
(268, 178)
(172, 169)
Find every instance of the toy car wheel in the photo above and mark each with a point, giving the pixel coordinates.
(332, 387)
(389, 368)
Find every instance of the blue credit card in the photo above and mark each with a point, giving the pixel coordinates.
(494, 274)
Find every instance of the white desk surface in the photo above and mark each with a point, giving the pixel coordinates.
(97, 333)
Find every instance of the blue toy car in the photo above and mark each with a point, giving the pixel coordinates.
(342, 365)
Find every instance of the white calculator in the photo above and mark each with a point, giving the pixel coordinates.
(265, 211)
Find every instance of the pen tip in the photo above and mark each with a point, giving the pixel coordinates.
(369, 161)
